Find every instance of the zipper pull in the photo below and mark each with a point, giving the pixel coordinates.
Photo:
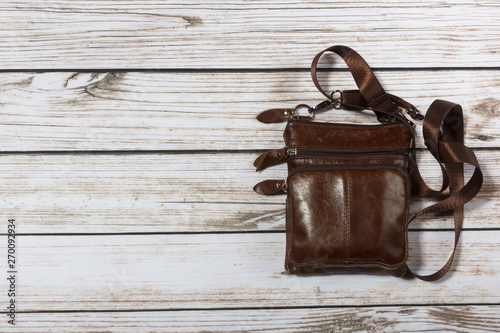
(270, 158)
(291, 152)
(271, 186)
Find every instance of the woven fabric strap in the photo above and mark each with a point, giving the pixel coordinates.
(443, 132)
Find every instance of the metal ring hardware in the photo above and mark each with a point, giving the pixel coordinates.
(336, 101)
(295, 115)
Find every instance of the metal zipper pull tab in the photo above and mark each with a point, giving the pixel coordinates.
(284, 187)
(291, 152)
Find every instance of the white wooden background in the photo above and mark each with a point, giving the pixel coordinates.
(128, 133)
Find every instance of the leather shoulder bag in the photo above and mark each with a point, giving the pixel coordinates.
(349, 185)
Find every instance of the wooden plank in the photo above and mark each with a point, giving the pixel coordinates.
(120, 193)
(471, 318)
(242, 34)
(154, 272)
(179, 111)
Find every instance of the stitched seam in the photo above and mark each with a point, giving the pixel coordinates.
(348, 217)
(377, 100)
(343, 220)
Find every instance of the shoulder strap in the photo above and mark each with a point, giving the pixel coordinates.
(443, 132)
(444, 137)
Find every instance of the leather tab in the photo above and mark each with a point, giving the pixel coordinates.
(271, 116)
(270, 186)
(269, 158)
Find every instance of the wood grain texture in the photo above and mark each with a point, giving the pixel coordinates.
(120, 193)
(184, 111)
(463, 319)
(242, 34)
(139, 272)
(134, 152)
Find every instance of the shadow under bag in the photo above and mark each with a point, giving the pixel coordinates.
(349, 185)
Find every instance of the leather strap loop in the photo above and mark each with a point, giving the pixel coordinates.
(368, 84)
(371, 94)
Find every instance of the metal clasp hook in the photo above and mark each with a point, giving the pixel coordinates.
(415, 114)
(295, 114)
(336, 102)
(312, 110)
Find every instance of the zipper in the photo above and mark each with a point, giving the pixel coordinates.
(273, 157)
(295, 151)
(329, 167)
(341, 124)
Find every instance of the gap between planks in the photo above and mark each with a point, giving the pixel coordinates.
(239, 70)
(178, 193)
(403, 318)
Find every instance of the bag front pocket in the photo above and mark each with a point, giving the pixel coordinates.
(344, 216)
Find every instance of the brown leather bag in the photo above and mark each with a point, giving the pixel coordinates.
(348, 186)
